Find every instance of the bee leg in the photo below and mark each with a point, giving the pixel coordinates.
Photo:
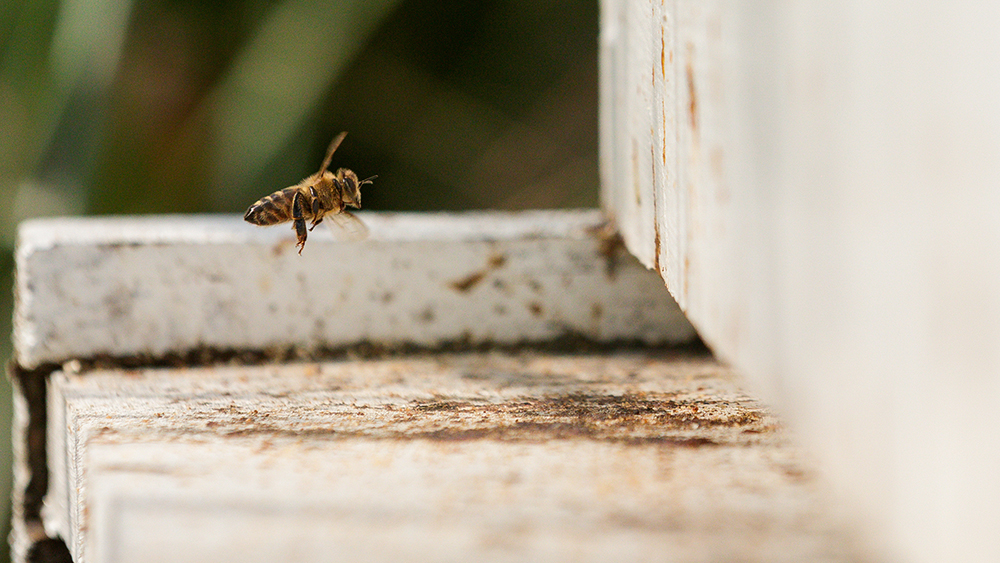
(317, 216)
(299, 221)
(315, 201)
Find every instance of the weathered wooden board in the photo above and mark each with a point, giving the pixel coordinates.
(136, 291)
(817, 184)
(158, 285)
(468, 457)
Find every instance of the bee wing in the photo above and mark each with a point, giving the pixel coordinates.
(330, 150)
(346, 226)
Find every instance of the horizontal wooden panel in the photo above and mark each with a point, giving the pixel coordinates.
(160, 285)
(478, 457)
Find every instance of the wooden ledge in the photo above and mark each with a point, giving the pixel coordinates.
(151, 286)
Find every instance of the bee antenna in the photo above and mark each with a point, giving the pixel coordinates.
(367, 180)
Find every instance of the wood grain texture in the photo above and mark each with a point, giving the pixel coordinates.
(484, 457)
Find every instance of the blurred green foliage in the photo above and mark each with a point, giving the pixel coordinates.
(178, 106)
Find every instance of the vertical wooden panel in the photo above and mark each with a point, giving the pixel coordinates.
(627, 108)
(832, 231)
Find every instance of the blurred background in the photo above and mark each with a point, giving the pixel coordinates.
(181, 106)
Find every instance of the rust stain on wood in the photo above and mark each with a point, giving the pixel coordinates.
(663, 52)
(656, 213)
(663, 117)
(463, 285)
(468, 282)
(672, 419)
(657, 246)
(610, 246)
(692, 90)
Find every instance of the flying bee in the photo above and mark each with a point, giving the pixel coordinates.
(322, 195)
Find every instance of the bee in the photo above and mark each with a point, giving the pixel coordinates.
(322, 195)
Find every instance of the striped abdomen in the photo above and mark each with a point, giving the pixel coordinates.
(273, 209)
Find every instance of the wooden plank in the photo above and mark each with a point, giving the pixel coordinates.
(485, 457)
(159, 285)
(635, 109)
(147, 290)
(832, 233)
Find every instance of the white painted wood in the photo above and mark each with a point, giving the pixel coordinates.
(471, 457)
(150, 287)
(829, 224)
(627, 114)
(156, 285)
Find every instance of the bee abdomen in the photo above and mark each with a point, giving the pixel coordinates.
(272, 209)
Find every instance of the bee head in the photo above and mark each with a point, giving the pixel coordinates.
(352, 188)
